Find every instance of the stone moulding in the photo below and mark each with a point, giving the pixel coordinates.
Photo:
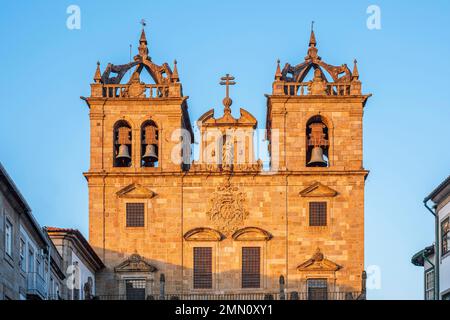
(135, 191)
(318, 262)
(135, 263)
(252, 234)
(203, 234)
(317, 189)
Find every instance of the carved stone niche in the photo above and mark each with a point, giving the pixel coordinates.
(203, 234)
(317, 189)
(252, 234)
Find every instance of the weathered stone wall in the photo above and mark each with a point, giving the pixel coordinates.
(177, 202)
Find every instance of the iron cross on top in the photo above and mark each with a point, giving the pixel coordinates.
(227, 81)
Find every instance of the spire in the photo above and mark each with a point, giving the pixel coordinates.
(312, 38)
(98, 75)
(143, 49)
(278, 72)
(312, 50)
(355, 74)
(143, 37)
(175, 77)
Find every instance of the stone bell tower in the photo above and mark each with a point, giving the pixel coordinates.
(315, 133)
(135, 128)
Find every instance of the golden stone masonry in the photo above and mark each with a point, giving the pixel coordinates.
(169, 227)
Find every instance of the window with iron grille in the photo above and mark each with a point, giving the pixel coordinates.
(317, 214)
(445, 234)
(135, 214)
(251, 264)
(317, 289)
(429, 285)
(135, 289)
(202, 268)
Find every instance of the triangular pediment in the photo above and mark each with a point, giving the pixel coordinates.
(135, 263)
(318, 189)
(319, 263)
(136, 191)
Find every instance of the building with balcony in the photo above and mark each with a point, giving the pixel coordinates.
(224, 225)
(435, 259)
(23, 246)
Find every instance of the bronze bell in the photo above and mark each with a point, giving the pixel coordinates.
(150, 153)
(317, 158)
(123, 152)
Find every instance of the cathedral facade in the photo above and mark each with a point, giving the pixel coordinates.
(166, 226)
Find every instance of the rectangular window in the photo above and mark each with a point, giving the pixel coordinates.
(8, 238)
(30, 260)
(429, 285)
(317, 214)
(251, 264)
(203, 268)
(135, 289)
(135, 214)
(445, 235)
(317, 289)
(22, 262)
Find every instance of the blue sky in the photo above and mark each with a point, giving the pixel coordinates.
(44, 136)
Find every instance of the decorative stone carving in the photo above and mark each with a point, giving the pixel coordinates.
(227, 208)
(135, 263)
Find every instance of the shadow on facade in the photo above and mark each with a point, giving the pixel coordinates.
(135, 277)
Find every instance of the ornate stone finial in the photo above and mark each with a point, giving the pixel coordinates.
(227, 81)
(143, 49)
(312, 50)
(318, 256)
(278, 72)
(98, 74)
(175, 77)
(355, 74)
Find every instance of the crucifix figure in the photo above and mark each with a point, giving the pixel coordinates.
(143, 22)
(227, 81)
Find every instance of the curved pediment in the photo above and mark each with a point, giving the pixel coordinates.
(318, 189)
(252, 234)
(203, 234)
(318, 262)
(135, 190)
(135, 263)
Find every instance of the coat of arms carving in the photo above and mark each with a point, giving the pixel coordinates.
(227, 208)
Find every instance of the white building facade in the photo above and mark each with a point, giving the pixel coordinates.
(435, 259)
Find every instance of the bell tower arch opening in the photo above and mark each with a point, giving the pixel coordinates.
(149, 144)
(317, 144)
(122, 144)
